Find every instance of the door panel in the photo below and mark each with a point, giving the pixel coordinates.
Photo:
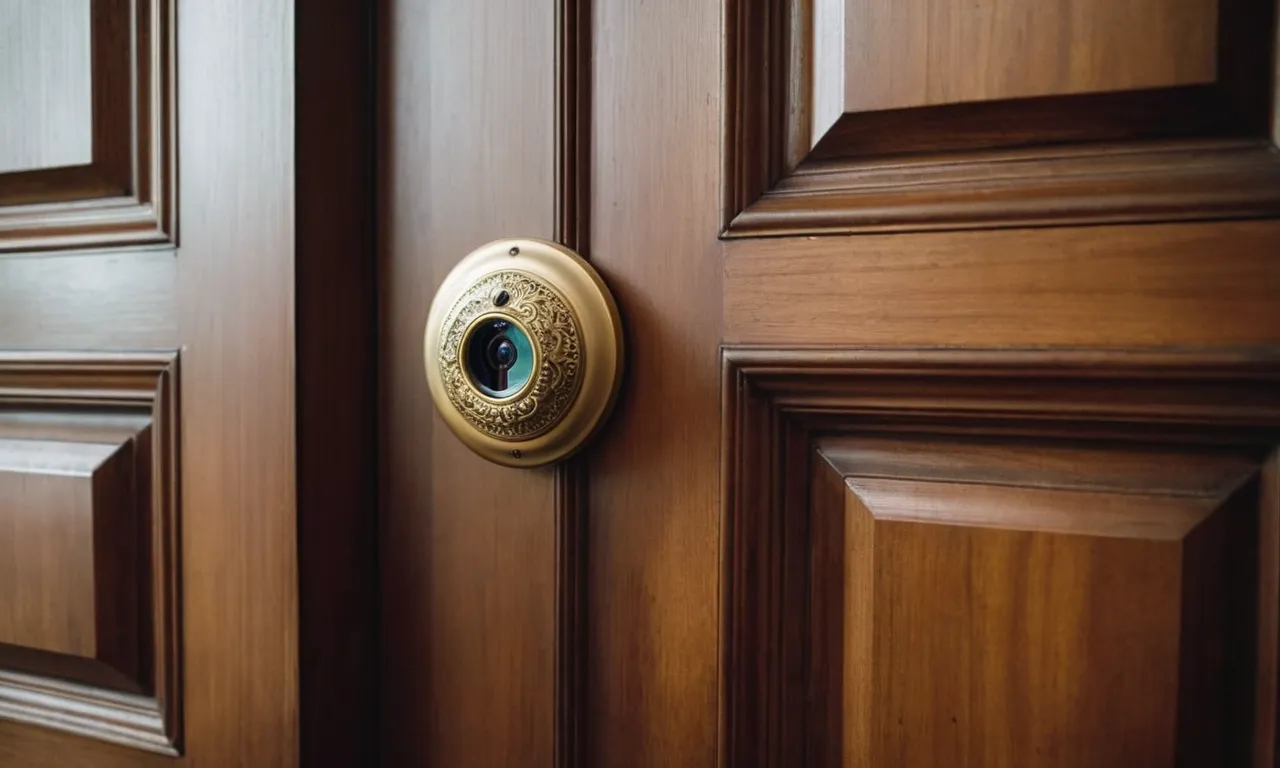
(1057, 116)
(950, 423)
(47, 92)
(921, 53)
(1049, 558)
(90, 639)
(119, 189)
(1046, 625)
(148, 565)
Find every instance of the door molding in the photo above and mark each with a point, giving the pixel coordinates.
(778, 404)
(126, 195)
(128, 689)
(572, 229)
(800, 160)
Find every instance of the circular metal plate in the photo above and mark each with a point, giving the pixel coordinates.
(556, 306)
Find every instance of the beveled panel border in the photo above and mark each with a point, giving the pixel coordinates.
(774, 185)
(126, 383)
(126, 195)
(776, 404)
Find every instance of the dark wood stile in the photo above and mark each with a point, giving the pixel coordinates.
(335, 272)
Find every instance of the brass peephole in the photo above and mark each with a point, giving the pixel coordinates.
(523, 351)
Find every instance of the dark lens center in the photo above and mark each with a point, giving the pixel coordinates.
(502, 353)
(499, 357)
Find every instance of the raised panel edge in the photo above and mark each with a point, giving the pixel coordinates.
(146, 214)
(126, 381)
(771, 190)
(776, 402)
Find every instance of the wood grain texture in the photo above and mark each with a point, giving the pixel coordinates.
(921, 52)
(89, 301)
(1053, 125)
(1158, 182)
(970, 669)
(335, 274)
(126, 195)
(46, 748)
(45, 85)
(467, 549)
(840, 697)
(47, 494)
(90, 645)
(653, 532)
(763, 136)
(1001, 462)
(1103, 286)
(1165, 147)
(237, 324)
(227, 302)
(1214, 415)
(1149, 517)
(955, 614)
(981, 639)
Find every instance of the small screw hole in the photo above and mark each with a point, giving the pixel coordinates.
(501, 298)
(515, 454)
(514, 251)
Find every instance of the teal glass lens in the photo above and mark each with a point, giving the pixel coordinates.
(499, 357)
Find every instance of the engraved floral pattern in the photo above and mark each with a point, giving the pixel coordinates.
(552, 327)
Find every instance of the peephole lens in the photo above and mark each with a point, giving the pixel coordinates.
(499, 357)
(502, 353)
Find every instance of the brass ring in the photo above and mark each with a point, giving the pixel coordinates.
(466, 344)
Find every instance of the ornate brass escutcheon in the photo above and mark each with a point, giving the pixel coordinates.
(523, 351)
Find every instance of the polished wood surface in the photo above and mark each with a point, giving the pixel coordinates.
(909, 53)
(1011, 675)
(116, 300)
(971, 559)
(652, 523)
(72, 569)
(1056, 117)
(1105, 286)
(44, 85)
(215, 383)
(91, 642)
(47, 570)
(994, 672)
(123, 192)
(990, 370)
(236, 319)
(1163, 181)
(467, 550)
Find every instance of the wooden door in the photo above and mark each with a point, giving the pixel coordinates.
(154, 328)
(949, 435)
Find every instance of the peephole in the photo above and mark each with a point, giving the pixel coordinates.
(502, 354)
(523, 352)
(499, 357)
